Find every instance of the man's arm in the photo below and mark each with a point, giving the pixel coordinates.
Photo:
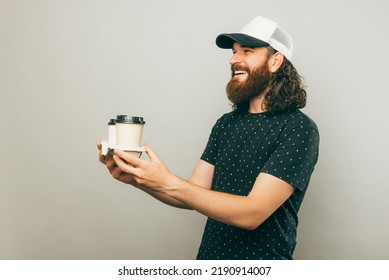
(201, 176)
(247, 212)
(266, 196)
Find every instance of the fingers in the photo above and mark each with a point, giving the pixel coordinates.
(130, 159)
(113, 168)
(124, 162)
(102, 158)
(135, 161)
(116, 172)
(111, 164)
(131, 164)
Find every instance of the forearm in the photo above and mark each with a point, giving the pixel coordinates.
(240, 211)
(266, 196)
(164, 198)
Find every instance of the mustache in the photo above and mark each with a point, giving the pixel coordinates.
(237, 67)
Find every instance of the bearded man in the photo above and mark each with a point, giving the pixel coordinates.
(254, 172)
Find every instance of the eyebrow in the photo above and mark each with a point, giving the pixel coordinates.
(243, 47)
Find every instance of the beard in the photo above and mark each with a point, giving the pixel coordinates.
(241, 92)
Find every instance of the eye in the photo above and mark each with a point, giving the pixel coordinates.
(248, 51)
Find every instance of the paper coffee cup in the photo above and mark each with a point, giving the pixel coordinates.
(129, 130)
(112, 132)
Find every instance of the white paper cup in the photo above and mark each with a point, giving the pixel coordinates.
(129, 130)
(112, 132)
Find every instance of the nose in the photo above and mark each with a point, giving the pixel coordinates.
(235, 58)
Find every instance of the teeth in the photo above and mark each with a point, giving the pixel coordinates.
(239, 72)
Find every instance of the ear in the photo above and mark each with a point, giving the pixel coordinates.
(275, 61)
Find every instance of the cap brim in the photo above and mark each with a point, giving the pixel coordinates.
(226, 41)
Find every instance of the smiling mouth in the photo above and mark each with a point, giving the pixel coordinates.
(239, 73)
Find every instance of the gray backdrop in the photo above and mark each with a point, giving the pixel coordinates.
(67, 67)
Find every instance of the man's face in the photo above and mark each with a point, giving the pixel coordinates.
(250, 73)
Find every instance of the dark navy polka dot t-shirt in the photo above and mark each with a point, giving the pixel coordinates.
(241, 146)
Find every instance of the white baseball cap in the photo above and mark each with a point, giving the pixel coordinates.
(259, 32)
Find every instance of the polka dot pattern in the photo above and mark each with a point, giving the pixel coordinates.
(241, 146)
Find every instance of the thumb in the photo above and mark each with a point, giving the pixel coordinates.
(151, 153)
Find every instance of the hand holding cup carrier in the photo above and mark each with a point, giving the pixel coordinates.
(124, 133)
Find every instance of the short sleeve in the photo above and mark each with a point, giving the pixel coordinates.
(211, 150)
(296, 154)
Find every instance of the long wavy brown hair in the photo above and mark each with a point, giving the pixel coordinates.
(286, 90)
